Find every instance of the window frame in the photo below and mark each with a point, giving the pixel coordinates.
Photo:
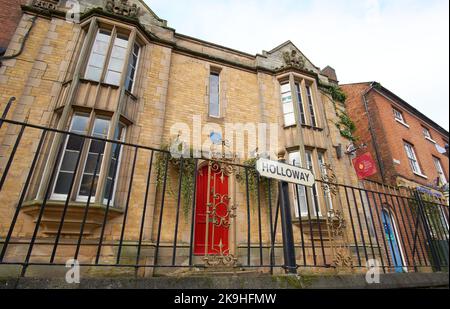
(301, 106)
(314, 191)
(311, 106)
(58, 196)
(409, 149)
(293, 122)
(217, 73)
(303, 212)
(427, 134)
(440, 170)
(78, 196)
(91, 52)
(138, 56)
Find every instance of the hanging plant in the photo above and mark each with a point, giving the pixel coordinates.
(346, 127)
(253, 175)
(187, 172)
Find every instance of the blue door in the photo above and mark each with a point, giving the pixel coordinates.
(392, 241)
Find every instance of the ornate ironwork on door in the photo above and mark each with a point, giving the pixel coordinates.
(215, 203)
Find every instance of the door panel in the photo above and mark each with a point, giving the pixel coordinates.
(219, 217)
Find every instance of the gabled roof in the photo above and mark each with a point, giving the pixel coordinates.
(287, 43)
(150, 11)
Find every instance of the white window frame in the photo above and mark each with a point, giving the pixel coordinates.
(440, 170)
(119, 163)
(293, 121)
(57, 196)
(122, 70)
(90, 60)
(296, 156)
(83, 198)
(398, 115)
(427, 135)
(412, 159)
(314, 197)
(130, 67)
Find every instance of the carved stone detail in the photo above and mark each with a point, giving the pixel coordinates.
(122, 7)
(293, 59)
(46, 4)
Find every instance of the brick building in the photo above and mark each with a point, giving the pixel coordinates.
(410, 148)
(126, 86)
(10, 15)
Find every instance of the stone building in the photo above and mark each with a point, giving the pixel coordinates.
(135, 86)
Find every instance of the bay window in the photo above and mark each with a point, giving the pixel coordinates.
(92, 159)
(108, 56)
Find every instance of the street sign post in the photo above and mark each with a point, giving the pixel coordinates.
(284, 172)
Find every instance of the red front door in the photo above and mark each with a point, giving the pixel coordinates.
(218, 207)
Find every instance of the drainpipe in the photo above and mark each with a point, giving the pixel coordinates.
(372, 133)
(25, 38)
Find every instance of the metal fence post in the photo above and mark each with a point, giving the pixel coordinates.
(290, 263)
(6, 110)
(428, 231)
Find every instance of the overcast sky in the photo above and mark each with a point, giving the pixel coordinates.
(403, 44)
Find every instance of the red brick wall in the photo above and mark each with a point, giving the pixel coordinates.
(390, 136)
(10, 14)
(356, 110)
(396, 134)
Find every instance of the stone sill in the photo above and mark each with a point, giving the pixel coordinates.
(51, 218)
(431, 140)
(402, 123)
(420, 175)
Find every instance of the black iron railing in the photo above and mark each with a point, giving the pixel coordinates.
(166, 214)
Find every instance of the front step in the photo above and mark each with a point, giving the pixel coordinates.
(216, 272)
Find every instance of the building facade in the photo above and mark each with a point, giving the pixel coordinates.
(410, 149)
(101, 99)
(9, 19)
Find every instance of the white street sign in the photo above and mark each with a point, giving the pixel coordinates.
(285, 172)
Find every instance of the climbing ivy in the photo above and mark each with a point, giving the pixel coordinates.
(336, 92)
(346, 127)
(187, 172)
(252, 174)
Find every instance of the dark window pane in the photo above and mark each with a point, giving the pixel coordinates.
(91, 162)
(69, 162)
(63, 183)
(214, 95)
(113, 167)
(97, 146)
(86, 184)
(75, 143)
(108, 189)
